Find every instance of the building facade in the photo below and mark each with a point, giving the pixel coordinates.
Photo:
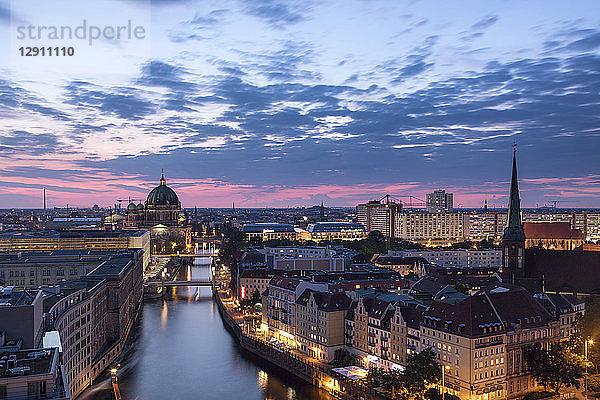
(320, 323)
(481, 339)
(94, 316)
(263, 231)
(279, 307)
(552, 235)
(439, 201)
(378, 216)
(50, 240)
(441, 228)
(464, 258)
(328, 231)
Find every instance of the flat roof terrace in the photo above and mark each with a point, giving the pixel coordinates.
(27, 362)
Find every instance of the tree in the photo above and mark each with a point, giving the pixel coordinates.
(434, 394)
(343, 358)
(593, 383)
(376, 377)
(554, 367)
(253, 300)
(421, 370)
(587, 327)
(256, 298)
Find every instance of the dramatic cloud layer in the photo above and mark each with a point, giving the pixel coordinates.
(292, 102)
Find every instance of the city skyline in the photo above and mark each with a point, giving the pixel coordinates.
(273, 103)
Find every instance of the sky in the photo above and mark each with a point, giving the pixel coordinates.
(289, 103)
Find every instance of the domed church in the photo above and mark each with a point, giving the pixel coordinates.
(162, 207)
(162, 215)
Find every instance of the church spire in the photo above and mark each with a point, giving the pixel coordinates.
(514, 225)
(163, 181)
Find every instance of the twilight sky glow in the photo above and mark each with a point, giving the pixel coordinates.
(288, 102)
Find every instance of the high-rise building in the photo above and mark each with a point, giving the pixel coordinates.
(439, 201)
(377, 216)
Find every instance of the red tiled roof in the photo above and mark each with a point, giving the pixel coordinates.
(551, 230)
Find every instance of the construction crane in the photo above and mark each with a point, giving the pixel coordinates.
(391, 200)
(412, 200)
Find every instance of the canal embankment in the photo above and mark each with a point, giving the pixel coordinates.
(317, 374)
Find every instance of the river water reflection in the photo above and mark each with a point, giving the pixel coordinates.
(181, 350)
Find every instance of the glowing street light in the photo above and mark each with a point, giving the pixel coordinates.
(590, 342)
(444, 368)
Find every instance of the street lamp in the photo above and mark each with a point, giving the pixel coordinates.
(444, 369)
(590, 342)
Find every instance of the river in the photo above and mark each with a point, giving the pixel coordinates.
(179, 349)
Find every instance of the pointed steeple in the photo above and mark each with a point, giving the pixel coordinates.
(514, 225)
(322, 211)
(163, 181)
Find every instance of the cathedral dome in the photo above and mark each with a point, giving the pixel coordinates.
(131, 207)
(162, 195)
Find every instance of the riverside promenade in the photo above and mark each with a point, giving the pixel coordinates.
(312, 372)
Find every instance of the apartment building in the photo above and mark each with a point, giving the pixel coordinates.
(297, 252)
(378, 216)
(485, 225)
(94, 315)
(251, 280)
(474, 225)
(279, 307)
(481, 339)
(320, 323)
(566, 308)
(433, 227)
(439, 201)
(381, 329)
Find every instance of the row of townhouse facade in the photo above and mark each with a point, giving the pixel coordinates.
(480, 339)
